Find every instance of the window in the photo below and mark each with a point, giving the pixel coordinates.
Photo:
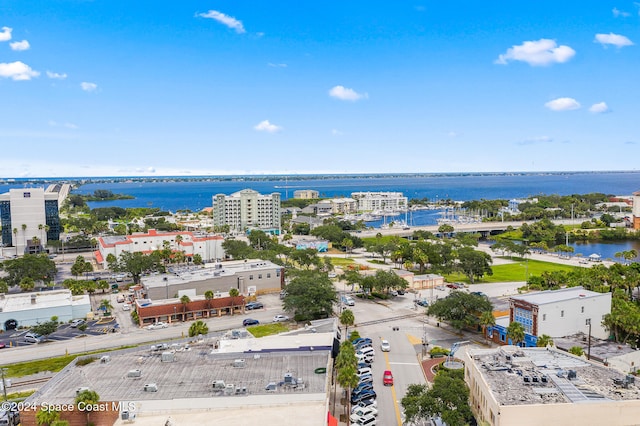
(250, 277)
(582, 309)
(259, 276)
(544, 317)
(561, 314)
(268, 274)
(502, 337)
(26, 195)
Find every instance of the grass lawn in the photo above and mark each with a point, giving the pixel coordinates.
(513, 271)
(267, 329)
(17, 395)
(340, 261)
(383, 240)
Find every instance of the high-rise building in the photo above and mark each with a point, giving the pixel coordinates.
(247, 209)
(29, 219)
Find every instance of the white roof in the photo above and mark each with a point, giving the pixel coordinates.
(44, 299)
(553, 296)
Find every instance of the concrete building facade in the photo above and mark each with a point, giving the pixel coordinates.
(538, 386)
(306, 194)
(247, 209)
(635, 210)
(381, 201)
(28, 309)
(249, 277)
(29, 218)
(208, 246)
(556, 313)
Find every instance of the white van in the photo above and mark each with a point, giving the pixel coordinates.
(366, 351)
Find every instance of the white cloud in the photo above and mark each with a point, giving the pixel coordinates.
(616, 40)
(617, 13)
(20, 45)
(537, 53)
(56, 76)
(5, 35)
(599, 108)
(53, 123)
(17, 71)
(265, 126)
(277, 65)
(453, 134)
(346, 94)
(563, 104)
(336, 132)
(88, 87)
(227, 20)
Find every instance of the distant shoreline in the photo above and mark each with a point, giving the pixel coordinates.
(292, 177)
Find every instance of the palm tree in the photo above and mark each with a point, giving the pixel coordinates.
(208, 295)
(487, 320)
(15, 239)
(198, 328)
(40, 228)
(24, 233)
(347, 318)
(88, 398)
(184, 300)
(233, 293)
(106, 305)
(544, 341)
(515, 332)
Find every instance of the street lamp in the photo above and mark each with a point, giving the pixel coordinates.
(589, 342)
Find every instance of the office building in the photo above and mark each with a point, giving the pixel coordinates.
(28, 309)
(383, 202)
(306, 194)
(29, 218)
(245, 210)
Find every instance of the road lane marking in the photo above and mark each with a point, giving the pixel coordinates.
(393, 391)
(404, 363)
(414, 340)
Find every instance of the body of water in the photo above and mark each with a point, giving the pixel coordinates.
(607, 250)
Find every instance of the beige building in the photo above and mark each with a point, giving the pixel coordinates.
(306, 194)
(636, 210)
(381, 201)
(543, 386)
(247, 209)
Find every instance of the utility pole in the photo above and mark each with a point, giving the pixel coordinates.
(589, 342)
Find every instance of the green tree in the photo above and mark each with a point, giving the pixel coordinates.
(233, 293)
(106, 305)
(306, 258)
(46, 416)
(460, 309)
(515, 332)
(544, 341)
(198, 328)
(60, 423)
(27, 284)
(347, 319)
(197, 259)
(576, 350)
(4, 287)
(310, 295)
(474, 264)
(36, 266)
(445, 229)
(103, 285)
(45, 328)
(237, 249)
(208, 295)
(486, 320)
(448, 399)
(80, 266)
(185, 300)
(346, 368)
(85, 399)
(137, 263)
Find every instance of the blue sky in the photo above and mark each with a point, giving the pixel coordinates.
(128, 88)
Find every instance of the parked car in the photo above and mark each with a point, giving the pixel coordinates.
(368, 420)
(401, 292)
(387, 378)
(370, 394)
(157, 325)
(422, 302)
(365, 378)
(77, 323)
(385, 346)
(362, 387)
(348, 301)
(364, 370)
(360, 411)
(250, 321)
(126, 307)
(367, 402)
(2, 345)
(393, 293)
(280, 318)
(361, 339)
(479, 293)
(254, 305)
(32, 337)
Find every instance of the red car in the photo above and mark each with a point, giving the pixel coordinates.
(387, 378)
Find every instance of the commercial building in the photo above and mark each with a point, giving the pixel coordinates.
(28, 309)
(381, 201)
(635, 211)
(538, 386)
(207, 246)
(174, 310)
(246, 210)
(420, 282)
(249, 277)
(237, 379)
(556, 313)
(29, 218)
(306, 194)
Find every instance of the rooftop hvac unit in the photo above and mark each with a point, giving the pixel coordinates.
(105, 359)
(168, 357)
(126, 415)
(81, 389)
(229, 389)
(288, 379)
(151, 387)
(572, 374)
(239, 363)
(134, 373)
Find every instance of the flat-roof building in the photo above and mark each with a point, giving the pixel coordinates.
(273, 380)
(207, 246)
(28, 309)
(306, 194)
(249, 277)
(247, 209)
(537, 386)
(381, 201)
(29, 218)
